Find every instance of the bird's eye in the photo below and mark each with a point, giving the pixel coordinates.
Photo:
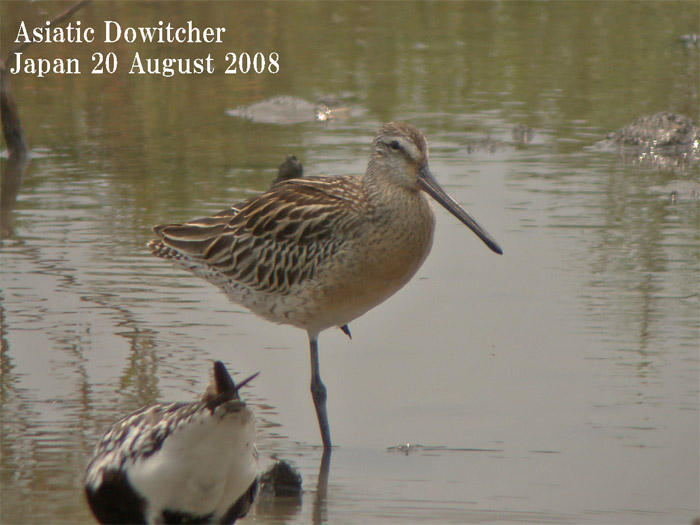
(395, 145)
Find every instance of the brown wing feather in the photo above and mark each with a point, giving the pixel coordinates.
(274, 241)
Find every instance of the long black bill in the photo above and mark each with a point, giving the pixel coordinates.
(428, 184)
(224, 383)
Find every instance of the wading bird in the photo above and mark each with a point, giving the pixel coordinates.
(319, 252)
(178, 462)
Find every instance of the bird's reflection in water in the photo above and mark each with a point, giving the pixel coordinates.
(320, 510)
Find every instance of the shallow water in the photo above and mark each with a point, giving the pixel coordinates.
(557, 383)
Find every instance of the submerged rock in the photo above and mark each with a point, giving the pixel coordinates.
(277, 110)
(657, 130)
(281, 480)
(664, 140)
(680, 190)
(521, 134)
(690, 40)
(487, 145)
(404, 448)
(292, 110)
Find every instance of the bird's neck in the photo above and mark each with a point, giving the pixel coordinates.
(389, 199)
(381, 185)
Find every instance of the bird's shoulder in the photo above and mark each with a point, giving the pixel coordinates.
(299, 199)
(142, 433)
(297, 210)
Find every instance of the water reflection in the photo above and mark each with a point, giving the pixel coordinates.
(17, 160)
(320, 507)
(586, 339)
(140, 376)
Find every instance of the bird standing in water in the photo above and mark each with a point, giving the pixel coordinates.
(318, 252)
(178, 462)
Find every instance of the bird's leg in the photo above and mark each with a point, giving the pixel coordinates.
(318, 393)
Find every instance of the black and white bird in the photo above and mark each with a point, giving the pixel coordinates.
(178, 462)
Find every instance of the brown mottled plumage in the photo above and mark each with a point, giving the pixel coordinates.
(319, 252)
